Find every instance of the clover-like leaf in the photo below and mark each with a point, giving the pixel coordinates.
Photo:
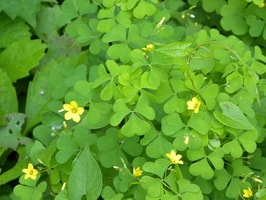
(188, 191)
(158, 147)
(110, 153)
(153, 186)
(143, 9)
(158, 167)
(202, 165)
(233, 19)
(67, 148)
(171, 124)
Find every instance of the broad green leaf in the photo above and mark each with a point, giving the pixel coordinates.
(10, 134)
(12, 30)
(8, 100)
(47, 22)
(17, 61)
(232, 116)
(52, 75)
(178, 49)
(26, 9)
(14, 172)
(85, 177)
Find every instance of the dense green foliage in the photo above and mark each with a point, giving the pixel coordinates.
(95, 94)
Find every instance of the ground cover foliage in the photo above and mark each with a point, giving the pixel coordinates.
(132, 99)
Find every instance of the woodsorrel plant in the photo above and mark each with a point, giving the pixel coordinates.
(132, 99)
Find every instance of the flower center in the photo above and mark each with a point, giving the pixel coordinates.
(31, 172)
(74, 110)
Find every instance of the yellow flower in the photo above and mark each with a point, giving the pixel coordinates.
(137, 172)
(30, 172)
(174, 158)
(73, 111)
(194, 104)
(149, 48)
(247, 193)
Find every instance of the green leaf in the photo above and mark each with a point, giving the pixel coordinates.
(67, 148)
(143, 8)
(117, 33)
(121, 111)
(178, 49)
(158, 167)
(233, 17)
(110, 152)
(248, 140)
(47, 23)
(71, 9)
(188, 191)
(233, 147)
(144, 109)
(8, 100)
(232, 116)
(85, 177)
(188, 139)
(209, 94)
(119, 51)
(171, 124)
(10, 135)
(98, 115)
(135, 126)
(153, 186)
(222, 179)
(158, 147)
(17, 61)
(12, 30)
(131, 146)
(30, 193)
(26, 9)
(14, 172)
(51, 76)
(199, 122)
